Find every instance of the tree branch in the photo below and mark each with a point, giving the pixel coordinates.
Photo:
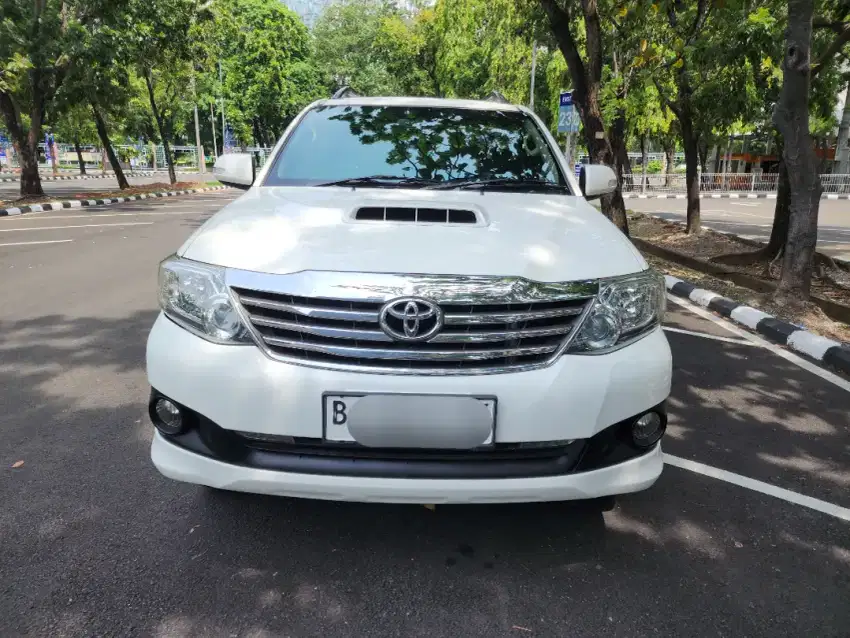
(667, 102)
(834, 47)
(703, 9)
(559, 19)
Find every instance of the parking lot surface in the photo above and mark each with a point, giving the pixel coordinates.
(747, 532)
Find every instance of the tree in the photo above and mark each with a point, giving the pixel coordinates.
(32, 62)
(791, 118)
(264, 49)
(586, 74)
(158, 34)
(96, 80)
(346, 44)
(74, 123)
(763, 30)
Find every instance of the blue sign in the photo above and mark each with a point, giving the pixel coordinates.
(578, 171)
(568, 119)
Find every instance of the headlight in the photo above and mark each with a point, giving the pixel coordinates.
(195, 296)
(626, 309)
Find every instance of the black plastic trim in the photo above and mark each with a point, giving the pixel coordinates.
(611, 446)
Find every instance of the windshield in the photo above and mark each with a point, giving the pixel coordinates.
(335, 143)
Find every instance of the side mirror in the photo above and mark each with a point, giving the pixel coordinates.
(596, 180)
(235, 169)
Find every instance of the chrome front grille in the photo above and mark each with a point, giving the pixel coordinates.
(487, 332)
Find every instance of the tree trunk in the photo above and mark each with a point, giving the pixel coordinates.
(103, 134)
(79, 152)
(26, 143)
(690, 141)
(160, 125)
(644, 159)
(587, 79)
(791, 118)
(841, 165)
(703, 154)
(670, 156)
(781, 215)
(690, 144)
(717, 160)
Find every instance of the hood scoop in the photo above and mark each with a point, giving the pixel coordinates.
(417, 215)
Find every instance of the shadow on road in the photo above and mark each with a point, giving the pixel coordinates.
(95, 542)
(749, 411)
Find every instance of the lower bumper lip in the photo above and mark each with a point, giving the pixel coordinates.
(629, 476)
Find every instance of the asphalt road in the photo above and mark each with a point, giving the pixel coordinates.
(67, 188)
(94, 542)
(753, 218)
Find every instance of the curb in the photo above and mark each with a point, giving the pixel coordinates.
(82, 203)
(723, 196)
(56, 178)
(796, 338)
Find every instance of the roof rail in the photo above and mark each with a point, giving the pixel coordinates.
(495, 96)
(345, 91)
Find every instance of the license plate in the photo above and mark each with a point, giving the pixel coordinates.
(410, 420)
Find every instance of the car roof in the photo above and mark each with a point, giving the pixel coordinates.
(435, 102)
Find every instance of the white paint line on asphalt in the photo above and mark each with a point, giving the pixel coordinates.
(719, 221)
(747, 204)
(32, 243)
(141, 214)
(704, 335)
(20, 230)
(759, 486)
(826, 375)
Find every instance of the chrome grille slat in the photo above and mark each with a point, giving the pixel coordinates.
(499, 335)
(317, 312)
(412, 355)
(490, 325)
(321, 331)
(510, 317)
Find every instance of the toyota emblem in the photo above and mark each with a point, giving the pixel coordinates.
(411, 319)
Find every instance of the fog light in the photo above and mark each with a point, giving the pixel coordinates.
(648, 429)
(167, 416)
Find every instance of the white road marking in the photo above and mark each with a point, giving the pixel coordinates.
(18, 230)
(31, 243)
(748, 204)
(719, 221)
(77, 216)
(705, 335)
(759, 486)
(826, 375)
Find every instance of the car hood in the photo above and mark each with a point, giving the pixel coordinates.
(543, 237)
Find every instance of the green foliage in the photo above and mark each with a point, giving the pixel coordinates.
(264, 50)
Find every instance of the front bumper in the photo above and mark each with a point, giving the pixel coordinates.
(241, 390)
(630, 476)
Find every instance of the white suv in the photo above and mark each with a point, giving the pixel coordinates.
(412, 302)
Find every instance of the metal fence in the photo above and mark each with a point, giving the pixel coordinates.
(722, 183)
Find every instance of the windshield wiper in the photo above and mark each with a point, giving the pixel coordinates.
(382, 181)
(529, 184)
